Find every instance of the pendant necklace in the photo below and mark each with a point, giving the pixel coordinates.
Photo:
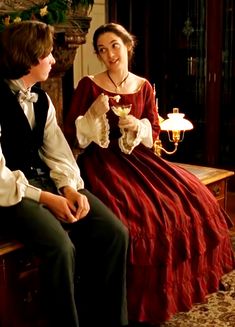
(119, 84)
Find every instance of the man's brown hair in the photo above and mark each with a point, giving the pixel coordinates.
(22, 45)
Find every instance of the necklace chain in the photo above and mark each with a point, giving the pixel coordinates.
(118, 84)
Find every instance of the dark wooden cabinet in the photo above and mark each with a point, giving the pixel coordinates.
(188, 50)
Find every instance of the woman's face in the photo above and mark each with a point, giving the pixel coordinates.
(112, 51)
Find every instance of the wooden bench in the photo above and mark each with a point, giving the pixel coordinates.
(214, 178)
(19, 286)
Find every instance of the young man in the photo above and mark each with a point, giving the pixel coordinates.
(42, 196)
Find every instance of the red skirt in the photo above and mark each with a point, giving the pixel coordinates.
(179, 240)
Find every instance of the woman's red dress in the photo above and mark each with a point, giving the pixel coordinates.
(179, 241)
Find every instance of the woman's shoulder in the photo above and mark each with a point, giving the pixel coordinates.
(91, 81)
(139, 84)
(85, 80)
(100, 79)
(86, 83)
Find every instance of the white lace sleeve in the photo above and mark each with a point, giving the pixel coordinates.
(129, 139)
(90, 129)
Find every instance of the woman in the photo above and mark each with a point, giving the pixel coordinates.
(179, 240)
(43, 202)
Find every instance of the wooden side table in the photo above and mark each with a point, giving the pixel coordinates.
(214, 178)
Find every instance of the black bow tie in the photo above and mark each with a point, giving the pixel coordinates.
(28, 96)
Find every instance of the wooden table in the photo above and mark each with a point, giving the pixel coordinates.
(214, 178)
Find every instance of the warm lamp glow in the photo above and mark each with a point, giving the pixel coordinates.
(175, 125)
(176, 122)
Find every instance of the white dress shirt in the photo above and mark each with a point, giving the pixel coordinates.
(55, 152)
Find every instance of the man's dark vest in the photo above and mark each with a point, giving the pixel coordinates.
(19, 142)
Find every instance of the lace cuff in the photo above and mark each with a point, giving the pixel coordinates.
(129, 139)
(92, 129)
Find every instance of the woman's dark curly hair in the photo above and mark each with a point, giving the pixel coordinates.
(22, 45)
(128, 39)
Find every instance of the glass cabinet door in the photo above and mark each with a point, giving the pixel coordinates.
(227, 114)
(187, 48)
(185, 82)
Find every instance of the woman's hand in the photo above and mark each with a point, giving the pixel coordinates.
(129, 122)
(100, 106)
(68, 208)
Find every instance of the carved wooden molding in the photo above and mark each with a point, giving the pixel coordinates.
(67, 39)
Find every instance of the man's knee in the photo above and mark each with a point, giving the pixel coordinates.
(122, 232)
(62, 248)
